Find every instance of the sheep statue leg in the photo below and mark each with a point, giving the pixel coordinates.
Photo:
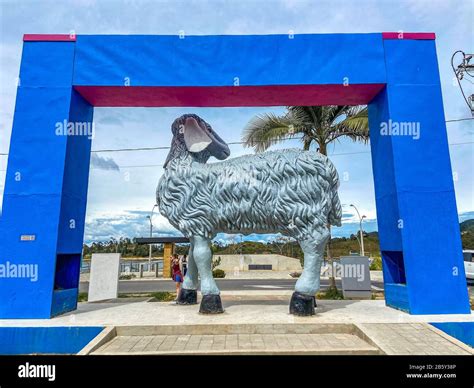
(211, 299)
(303, 299)
(188, 293)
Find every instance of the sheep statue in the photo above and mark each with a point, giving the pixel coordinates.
(292, 192)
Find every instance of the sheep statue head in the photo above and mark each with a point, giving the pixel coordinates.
(193, 137)
(292, 192)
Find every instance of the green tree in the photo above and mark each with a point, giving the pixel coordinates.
(320, 125)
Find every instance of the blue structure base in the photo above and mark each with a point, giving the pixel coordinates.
(64, 301)
(45, 340)
(463, 331)
(396, 296)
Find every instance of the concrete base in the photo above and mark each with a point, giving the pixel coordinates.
(390, 331)
(278, 339)
(256, 307)
(288, 339)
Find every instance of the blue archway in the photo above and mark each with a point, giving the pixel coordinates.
(63, 77)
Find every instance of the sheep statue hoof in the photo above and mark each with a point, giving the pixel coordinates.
(211, 304)
(187, 296)
(302, 305)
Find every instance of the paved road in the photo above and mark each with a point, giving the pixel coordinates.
(131, 286)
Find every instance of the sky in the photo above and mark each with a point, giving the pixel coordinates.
(122, 185)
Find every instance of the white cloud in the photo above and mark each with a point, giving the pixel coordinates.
(113, 194)
(103, 163)
(128, 223)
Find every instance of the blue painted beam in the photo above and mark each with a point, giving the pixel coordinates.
(255, 60)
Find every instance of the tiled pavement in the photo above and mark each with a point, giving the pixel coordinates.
(144, 327)
(412, 339)
(363, 338)
(332, 343)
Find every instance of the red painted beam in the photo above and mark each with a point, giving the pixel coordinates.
(49, 38)
(228, 96)
(72, 38)
(409, 35)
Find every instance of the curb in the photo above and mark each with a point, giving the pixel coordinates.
(102, 338)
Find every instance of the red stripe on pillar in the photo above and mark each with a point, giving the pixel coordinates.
(409, 35)
(49, 38)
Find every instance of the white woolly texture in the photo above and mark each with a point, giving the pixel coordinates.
(293, 192)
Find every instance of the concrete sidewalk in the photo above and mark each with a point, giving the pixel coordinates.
(262, 320)
(267, 307)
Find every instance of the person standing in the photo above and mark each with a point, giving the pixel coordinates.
(176, 273)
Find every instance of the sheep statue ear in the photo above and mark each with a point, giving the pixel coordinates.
(195, 138)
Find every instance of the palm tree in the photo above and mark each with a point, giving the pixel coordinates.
(321, 125)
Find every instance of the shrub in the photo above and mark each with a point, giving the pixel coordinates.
(82, 297)
(216, 263)
(218, 273)
(127, 276)
(376, 264)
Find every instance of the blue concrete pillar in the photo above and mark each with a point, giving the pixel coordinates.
(416, 206)
(42, 225)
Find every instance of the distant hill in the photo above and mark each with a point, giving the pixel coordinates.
(467, 234)
(340, 246)
(467, 225)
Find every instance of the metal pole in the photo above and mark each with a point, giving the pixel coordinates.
(149, 255)
(358, 241)
(150, 217)
(362, 251)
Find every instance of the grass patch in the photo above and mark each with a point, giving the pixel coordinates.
(157, 296)
(136, 295)
(163, 296)
(376, 264)
(378, 295)
(82, 297)
(330, 293)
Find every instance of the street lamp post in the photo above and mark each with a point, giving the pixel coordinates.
(150, 218)
(362, 251)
